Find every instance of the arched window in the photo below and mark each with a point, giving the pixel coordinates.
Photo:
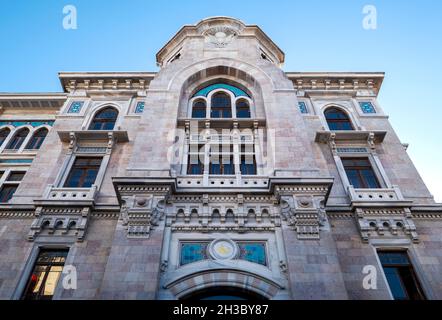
(37, 139)
(337, 119)
(199, 109)
(221, 106)
(242, 109)
(4, 135)
(18, 139)
(104, 120)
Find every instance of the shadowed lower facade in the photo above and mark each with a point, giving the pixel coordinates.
(219, 176)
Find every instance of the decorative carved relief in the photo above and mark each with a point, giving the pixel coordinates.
(386, 223)
(144, 215)
(60, 222)
(304, 215)
(220, 36)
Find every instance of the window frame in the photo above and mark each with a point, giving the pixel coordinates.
(31, 267)
(4, 180)
(333, 121)
(71, 168)
(362, 180)
(40, 140)
(409, 266)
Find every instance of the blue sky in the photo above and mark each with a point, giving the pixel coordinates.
(315, 35)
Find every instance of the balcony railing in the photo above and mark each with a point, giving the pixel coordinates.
(70, 194)
(375, 195)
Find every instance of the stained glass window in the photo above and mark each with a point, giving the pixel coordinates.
(253, 251)
(302, 107)
(140, 107)
(193, 252)
(367, 107)
(75, 107)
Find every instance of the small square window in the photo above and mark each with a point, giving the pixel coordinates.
(303, 107)
(140, 107)
(367, 107)
(75, 107)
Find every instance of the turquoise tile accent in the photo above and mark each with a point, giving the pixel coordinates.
(253, 251)
(15, 160)
(26, 123)
(193, 252)
(236, 91)
(140, 107)
(75, 107)
(367, 107)
(302, 107)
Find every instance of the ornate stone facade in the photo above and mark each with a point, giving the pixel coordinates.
(161, 219)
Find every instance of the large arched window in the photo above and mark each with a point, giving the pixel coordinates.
(4, 133)
(337, 119)
(242, 109)
(199, 109)
(37, 139)
(18, 139)
(221, 106)
(104, 120)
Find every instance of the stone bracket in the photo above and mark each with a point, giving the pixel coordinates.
(394, 223)
(60, 221)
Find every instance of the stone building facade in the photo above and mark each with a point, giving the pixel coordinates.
(218, 175)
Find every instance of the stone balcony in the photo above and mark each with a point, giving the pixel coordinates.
(384, 197)
(222, 181)
(68, 196)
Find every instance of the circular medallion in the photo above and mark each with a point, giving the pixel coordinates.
(223, 249)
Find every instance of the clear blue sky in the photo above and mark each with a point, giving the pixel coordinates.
(117, 35)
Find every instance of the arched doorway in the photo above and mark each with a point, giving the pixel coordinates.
(223, 293)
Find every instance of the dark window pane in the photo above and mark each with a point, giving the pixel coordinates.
(337, 120)
(16, 176)
(104, 120)
(360, 173)
(6, 192)
(18, 139)
(83, 173)
(400, 275)
(221, 106)
(37, 139)
(199, 109)
(3, 135)
(395, 282)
